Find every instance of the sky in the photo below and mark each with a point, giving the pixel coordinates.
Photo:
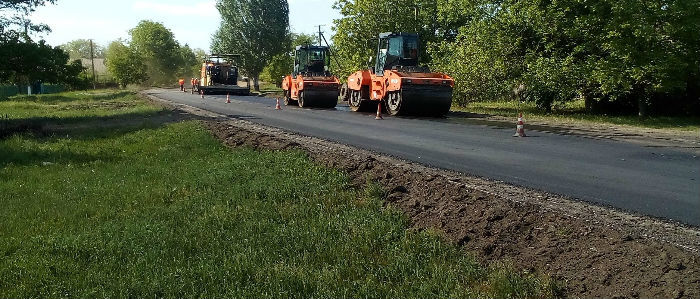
(191, 21)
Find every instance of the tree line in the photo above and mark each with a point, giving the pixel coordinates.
(150, 57)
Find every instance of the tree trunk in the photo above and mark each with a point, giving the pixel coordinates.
(643, 104)
(256, 84)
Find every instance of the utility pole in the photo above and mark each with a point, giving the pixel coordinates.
(319, 36)
(92, 59)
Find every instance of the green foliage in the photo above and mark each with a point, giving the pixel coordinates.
(26, 62)
(125, 64)
(253, 29)
(14, 24)
(80, 48)
(160, 51)
(126, 203)
(189, 63)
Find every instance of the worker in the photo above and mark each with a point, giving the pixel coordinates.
(182, 84)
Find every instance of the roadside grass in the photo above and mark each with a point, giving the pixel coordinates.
(162, 209)
(574, 112)
(266, 87)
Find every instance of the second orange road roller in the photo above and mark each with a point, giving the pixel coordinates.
(311, 83)
(399, 82)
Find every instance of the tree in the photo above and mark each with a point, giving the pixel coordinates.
(188, 63)
(253, 29)
(125, 64)
(26, 62)
(616, 55)
(159, 49)
(80, 48)
(14, 24)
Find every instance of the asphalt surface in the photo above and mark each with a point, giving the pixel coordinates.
(659, 182)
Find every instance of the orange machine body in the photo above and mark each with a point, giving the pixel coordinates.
(378, 87)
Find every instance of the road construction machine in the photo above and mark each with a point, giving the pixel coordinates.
(311, 83)
(219, 75)
(399, 82)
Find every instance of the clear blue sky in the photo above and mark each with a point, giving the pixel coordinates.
(192, 21)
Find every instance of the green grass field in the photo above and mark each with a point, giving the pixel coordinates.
(574, 112)
(104, 195)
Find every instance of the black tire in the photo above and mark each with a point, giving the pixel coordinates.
(357, 103)
(288, 99)
(393, 103)
(301, 101)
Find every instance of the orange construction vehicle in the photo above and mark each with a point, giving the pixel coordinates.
(311, 83)
(398, 82)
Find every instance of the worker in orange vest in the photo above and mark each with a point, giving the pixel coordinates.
(182, 84)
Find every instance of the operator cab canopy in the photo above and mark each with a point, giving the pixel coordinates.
(312, 60)
(396, 50)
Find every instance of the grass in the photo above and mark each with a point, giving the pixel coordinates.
(149, 209)
(575, 112)
(266, 87)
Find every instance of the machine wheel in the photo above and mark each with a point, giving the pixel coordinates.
(300, 101)
(288, 99)
(393, 103)
(357, 103)
(345, 92)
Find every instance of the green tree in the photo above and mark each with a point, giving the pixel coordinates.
(26, 62)
(188, 67)
(616, 55)
(253, 29)
(159, 49)
(80, 48)
(125, 64)
(199, 55)
(14, 23)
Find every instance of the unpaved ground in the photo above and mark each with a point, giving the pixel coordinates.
(593, 251)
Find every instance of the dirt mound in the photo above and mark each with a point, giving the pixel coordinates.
(590, 258)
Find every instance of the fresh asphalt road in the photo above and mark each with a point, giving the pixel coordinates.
(660, 182)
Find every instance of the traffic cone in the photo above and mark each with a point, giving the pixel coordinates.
(278, 107)
(379, 111)
(228, 99)
(520, 128)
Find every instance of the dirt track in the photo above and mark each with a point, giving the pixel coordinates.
(592, 251)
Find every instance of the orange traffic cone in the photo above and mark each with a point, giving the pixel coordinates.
(278, 107)
(228, 99)
(520, 128)
(379, 111)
